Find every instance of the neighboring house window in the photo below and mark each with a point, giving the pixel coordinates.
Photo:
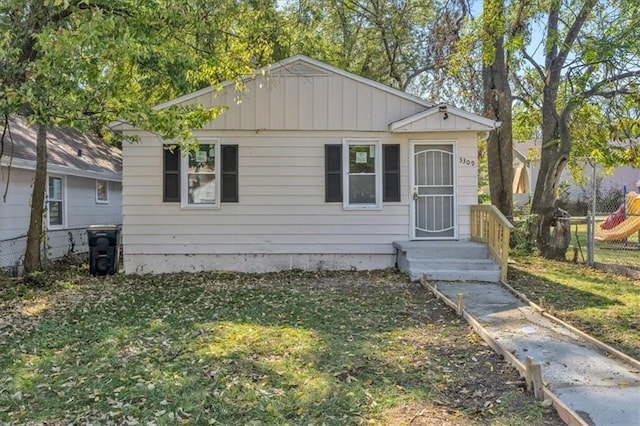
(201, 178)
(55, 208)
(102, 192)
(367, 178)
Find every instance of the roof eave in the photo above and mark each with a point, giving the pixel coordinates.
(62, 170)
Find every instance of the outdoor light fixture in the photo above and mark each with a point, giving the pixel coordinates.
(443, 109)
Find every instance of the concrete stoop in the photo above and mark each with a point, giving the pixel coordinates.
(446, 261)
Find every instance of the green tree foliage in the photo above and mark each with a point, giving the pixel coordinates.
(574, 70)
(401, 43)
(85, 63)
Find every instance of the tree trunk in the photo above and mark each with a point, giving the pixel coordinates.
(556, 146)
(32, 260)
(497, 106)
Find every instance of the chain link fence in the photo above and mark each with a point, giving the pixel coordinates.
(56, 245)
(605, 224)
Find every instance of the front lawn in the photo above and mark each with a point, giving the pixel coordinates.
(291, 348)
(605, 305)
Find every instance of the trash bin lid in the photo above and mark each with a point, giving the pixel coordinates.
(103, 227)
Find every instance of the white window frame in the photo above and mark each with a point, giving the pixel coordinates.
(346, 144)
(106, 183)
(63, 200)
(184, 176)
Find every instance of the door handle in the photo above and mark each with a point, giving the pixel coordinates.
(415, 193)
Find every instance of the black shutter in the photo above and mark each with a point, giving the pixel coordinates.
(391, 177)
(333, 173)
(171, 175)
(229, 182)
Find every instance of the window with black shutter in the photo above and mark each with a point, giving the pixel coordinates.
(229, 188)
(391, 177)
(171, 175)
(333, 173)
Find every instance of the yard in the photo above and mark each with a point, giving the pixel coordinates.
(605, 305)
(614, 252)
(290, 348)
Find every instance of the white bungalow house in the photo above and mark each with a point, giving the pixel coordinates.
(84, 187)
(311, 167)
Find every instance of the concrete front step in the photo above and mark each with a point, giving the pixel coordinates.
(446, 261)
(443, 249)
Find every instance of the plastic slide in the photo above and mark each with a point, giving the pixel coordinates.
(627, 227)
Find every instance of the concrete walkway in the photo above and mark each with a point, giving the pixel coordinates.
(601, 389)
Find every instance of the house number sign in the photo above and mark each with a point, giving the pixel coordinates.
(466, 162)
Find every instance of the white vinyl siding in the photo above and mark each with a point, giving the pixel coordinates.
(282, 209)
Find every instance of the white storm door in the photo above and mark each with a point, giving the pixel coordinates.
(433, 200)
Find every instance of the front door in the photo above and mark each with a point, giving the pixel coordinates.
(433, 205)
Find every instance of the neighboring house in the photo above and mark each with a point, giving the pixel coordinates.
(311, 167)
(527, 167)
(522, 184)
(84, 187)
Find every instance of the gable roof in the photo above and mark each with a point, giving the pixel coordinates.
(299, 65)
(443, 117)
(70, 152)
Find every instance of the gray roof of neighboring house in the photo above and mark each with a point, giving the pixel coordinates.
(68, 149)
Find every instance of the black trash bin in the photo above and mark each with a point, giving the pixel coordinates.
(103, 249)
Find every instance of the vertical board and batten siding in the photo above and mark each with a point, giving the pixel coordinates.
(81, 210)
(315, 102)
(281, 220)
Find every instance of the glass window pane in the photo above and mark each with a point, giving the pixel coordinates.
(55, 188)
(202, 189)
(55, 212)
(362, 189)
(362, 158)
(102, 192)
(203, 160)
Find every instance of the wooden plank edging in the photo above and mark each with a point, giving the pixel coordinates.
(599, 344)
(567, 415)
